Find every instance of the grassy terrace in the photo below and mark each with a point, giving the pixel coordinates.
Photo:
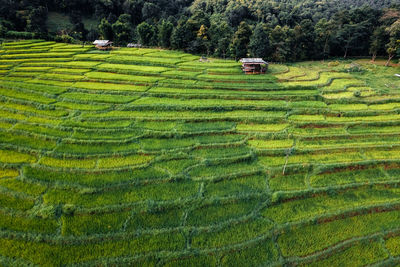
(149, 157)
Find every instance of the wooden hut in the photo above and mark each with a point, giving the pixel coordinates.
(254, 65)
(103, 44)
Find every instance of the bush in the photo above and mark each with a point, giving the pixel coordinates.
(354, 67)
(357, 93)
(334, 63)
(20, 35)
(68, 209)
(65, 38)
(44, 211)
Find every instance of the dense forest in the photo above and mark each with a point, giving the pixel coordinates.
(277, 30)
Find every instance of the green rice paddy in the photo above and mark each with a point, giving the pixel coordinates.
(148, 157)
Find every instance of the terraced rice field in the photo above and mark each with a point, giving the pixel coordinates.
(151, 158)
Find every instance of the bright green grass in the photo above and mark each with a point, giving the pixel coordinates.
(92, 179)
(109, 86)
(42, 253)
(270, 144)
(146, 157)
(106, 98)
(153, 192)
(131, 68)
(26, 96)
(123, 161)
(302, 159)
(48, 131)
(121, 77)
(4, 173)
(9, 156)
(261, 127)
(83, 107)
(69, 163)
(176, 115)
(34, 110)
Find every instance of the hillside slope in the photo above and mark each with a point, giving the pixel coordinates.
(150, 157)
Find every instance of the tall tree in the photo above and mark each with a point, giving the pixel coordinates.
(241, 40)
(180, 34)
(393, 47)
(279, 43)
(105, 30)
(305, 40)
(165, 29)
(349, 36)
(78, 28)
(220, 35)
(377, 42)
(145, 32)
(133, 8)
(259, 42)
(323, 34)
(122, 29)
(150, 11)
(36, 21)
(203, 39)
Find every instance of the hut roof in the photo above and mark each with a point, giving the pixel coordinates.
(253, 61)
(134, 45)
(102, 42)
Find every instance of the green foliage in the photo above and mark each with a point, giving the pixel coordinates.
(122, 29)
(146, 33)
(106, 30)
(241, 41)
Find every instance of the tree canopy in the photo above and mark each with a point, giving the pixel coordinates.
(278, 30)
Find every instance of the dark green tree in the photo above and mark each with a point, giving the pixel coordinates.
(393, 46)
(324, 31)
(122, 29)
(150, 11)
(377, 42)
(220, 36)
(185, 33)
(279, 43)
(241, 40)
(133, 8)
(305, 40)
(349, 35)
(36, 21)
(105, 30)
(165, 29)
(78, 31)
(145, 32)
(259, 42)
(203, 40)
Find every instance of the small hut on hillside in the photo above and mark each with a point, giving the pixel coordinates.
(254, 65)
(132, 45)
(103, 44)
